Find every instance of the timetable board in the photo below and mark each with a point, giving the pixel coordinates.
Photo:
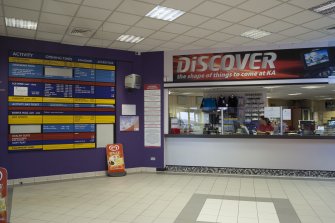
(57, 102)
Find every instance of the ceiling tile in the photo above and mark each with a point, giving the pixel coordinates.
(86, 23)
(55, 19)
(255, 43)
(222, 45)
(198, 32)
(74, 40)
(160, 48)
(204, 43)
(1, 11)
(184, 39)
(191, 19)
(51, 28)
(282, 11)
(135, 7)
(114, 27)
(140, 32)
(311, 35)
(230, 2)
(31, 4)
(104, 4)
(140, 47)
(184, 5)
(238, 40)
(307, 3)
(215, 24)
(210, 9)
(302, 17)
(257, 21)
(98, 43)
(54, 37)
(273, 38)
(150, 23)
(12, 12)
(173, 45)
(92, 13)
(152, 42)
(121, 45)
(175, 28)
(295, 31)
(2, 22)
(219, 36)
(235, 15)
(259, 5)
(23, 33)
(290, 40)
(106, 35)
(236, 29)
(2, 30)
(78, 2)
(123, 18)
(319, 23)
(153, 1)
(59, 7)
(163, 35)
(277, 26)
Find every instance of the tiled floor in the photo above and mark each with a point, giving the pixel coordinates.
(167, 198)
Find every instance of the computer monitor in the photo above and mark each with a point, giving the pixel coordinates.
(331, 123)
(316, 58)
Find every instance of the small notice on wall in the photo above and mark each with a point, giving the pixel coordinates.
(128, 109)
(152, 115)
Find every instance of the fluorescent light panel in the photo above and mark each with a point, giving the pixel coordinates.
(293, 94)
(255, 34)
(271, 87)
(164, 13)
(130, 39)
(20, 23)
(312, 87)
(326, 8)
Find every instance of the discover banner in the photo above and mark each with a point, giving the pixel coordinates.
(260, 65)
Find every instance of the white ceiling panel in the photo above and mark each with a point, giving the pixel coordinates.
(184, 5)
(210, 9)
(135, 7)
(86, 23)
(78, 2)
(141, 47)
(98, 43)
(236, 29)
(320, 23)
(163, 35)
(51, 28)
(190, 47)
(121, 45)
(160, 48)
(54, 37)
(257, 21)
(23, 33)
(152, 42)
(12, 12)
(259, 5)
(59, 7)
(235, 15)
(74, 40)
(311, 35)
(215, 24)
(219, 36)
(204, 43)
(302, 17)
(2, 22)
(55, 19)
(114, 27)
(307, 3)
(153, 1)
(290, 40)
(150, 23)
(198, 32)
(106, 35)
(175, 28)
(1, 14)
(222, 45)
(172, 45)
(230, 2)
(31, 4)
(277, 26)
(294, 31)
(123, 18)
(93, 13)
(103, 4)
(255, 43)
(191, 19)
(238, 40)
(273, 38)
(140, 32)
(282, 11)
(184, 39)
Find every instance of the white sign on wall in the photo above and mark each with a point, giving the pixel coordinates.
(272, 112)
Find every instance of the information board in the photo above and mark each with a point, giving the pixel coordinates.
(59, 100)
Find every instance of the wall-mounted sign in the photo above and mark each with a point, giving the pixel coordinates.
(115, 160)
(261, 65)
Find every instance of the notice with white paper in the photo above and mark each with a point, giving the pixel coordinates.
(286, 114)
(128, 109)
(20, 91)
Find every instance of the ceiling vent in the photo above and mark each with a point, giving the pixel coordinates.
(81, 32)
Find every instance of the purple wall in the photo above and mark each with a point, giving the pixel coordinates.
(43, 163)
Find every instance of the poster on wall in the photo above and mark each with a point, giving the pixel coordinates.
(152, 115)
(260, 65)
(56, 102)
(129, 123)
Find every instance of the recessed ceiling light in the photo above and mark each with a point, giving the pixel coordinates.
(326, 8)
(293, 94)
(312, 87)
(328, 98)
(20, 23)
(130, 39)
(164, 13)
(268, 97)
(255, 34)
(271, 87)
